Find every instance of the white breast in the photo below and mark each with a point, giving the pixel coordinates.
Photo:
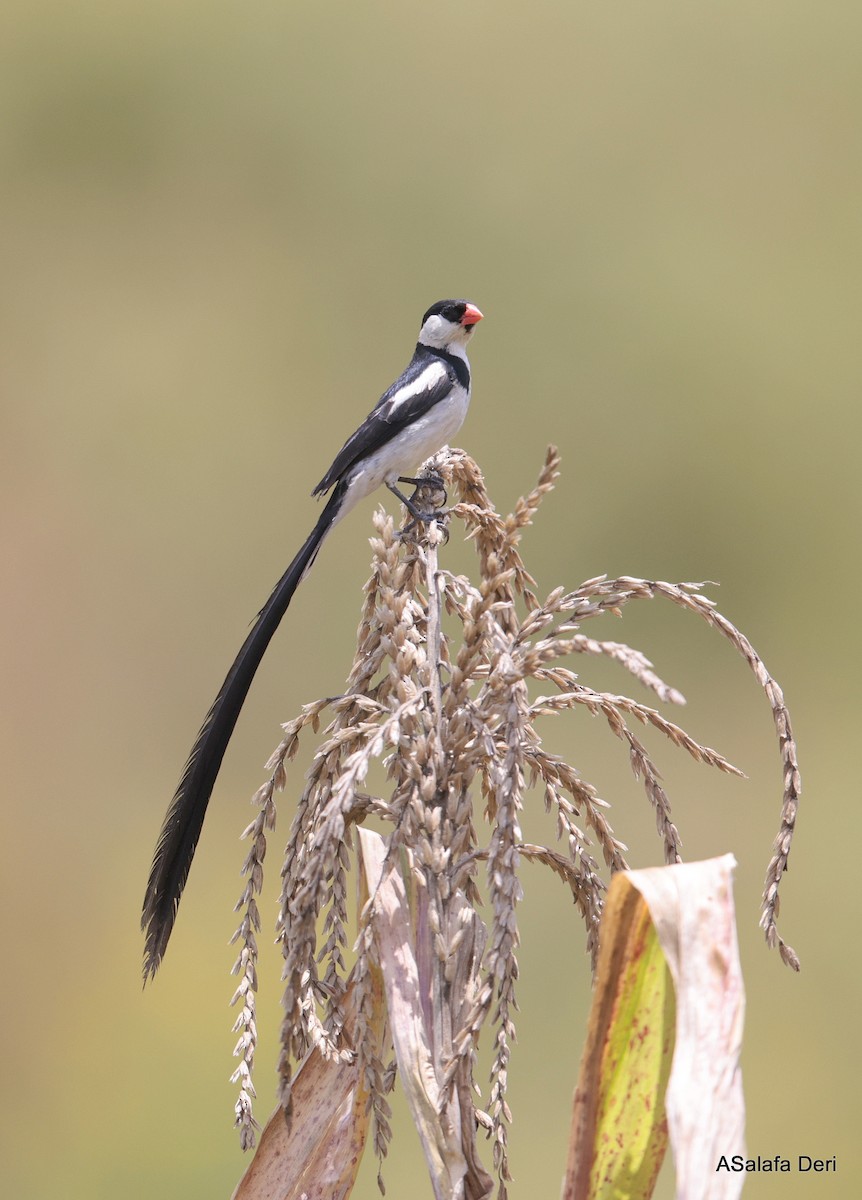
(409, 448)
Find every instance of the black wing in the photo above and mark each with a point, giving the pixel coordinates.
(425, 382)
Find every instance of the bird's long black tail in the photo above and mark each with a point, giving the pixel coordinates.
(182, 825)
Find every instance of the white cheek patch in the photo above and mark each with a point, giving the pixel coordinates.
(437, 331)
(433, 326)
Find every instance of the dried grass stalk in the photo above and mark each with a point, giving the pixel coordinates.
(438, 691)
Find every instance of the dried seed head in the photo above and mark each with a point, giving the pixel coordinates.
(450, 710)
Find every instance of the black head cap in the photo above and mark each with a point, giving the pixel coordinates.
(458, 312)
(451, 310)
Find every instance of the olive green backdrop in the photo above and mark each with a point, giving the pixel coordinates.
(220, 225)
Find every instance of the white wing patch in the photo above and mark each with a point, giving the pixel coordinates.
(432, 376)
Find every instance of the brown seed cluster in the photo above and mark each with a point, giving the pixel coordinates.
(438, 692)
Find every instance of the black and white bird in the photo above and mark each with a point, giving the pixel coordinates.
(419, 413)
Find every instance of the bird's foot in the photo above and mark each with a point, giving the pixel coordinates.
(430, 481)
(427, 504)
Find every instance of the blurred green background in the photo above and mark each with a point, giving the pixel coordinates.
(221, 223)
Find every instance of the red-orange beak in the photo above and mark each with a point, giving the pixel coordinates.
(472, 316)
